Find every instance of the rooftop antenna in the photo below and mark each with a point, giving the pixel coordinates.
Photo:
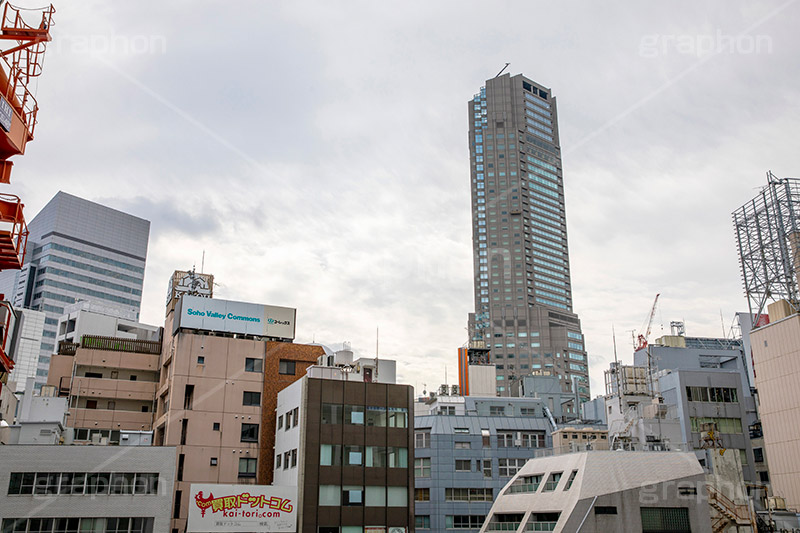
(616, 362)
(203, 262)
(502, 69)
(377, 339)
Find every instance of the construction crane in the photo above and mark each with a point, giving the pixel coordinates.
(24, 34)
(644, 338)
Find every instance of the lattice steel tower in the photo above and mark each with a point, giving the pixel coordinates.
(768, 237)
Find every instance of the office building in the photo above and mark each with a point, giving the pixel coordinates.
(78, 250)
(523, 292)
(71, 489)
(705, 378)
(467, 448)
(600, 491)
(345, 439)
(27, 346)
(221, 367)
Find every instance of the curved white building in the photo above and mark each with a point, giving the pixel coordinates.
(603, 491)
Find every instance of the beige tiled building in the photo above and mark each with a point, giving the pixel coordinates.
(776, 358)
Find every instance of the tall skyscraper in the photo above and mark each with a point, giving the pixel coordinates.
(78, 250)
(523, 294)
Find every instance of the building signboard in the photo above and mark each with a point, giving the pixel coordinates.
(210, 314)
(215, 508)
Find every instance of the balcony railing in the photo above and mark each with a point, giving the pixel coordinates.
(114, 344)
(67, 348)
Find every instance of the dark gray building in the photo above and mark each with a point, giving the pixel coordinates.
(523, 293)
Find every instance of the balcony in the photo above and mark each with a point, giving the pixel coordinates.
(106, 359)
(113, 389)
(110, 419)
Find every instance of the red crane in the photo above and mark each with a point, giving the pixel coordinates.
(643, 338)
(24, 34)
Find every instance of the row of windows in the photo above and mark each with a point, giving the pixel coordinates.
(468, 495)
(90, 268)
(50, 483)
(357, 455)
(724, 425)
(87, 292)
(90, 256)
(369, 496)
(289, 458)
(712, 394)
(78, 525)
(87, 279)
(292, 419)
(359, 415)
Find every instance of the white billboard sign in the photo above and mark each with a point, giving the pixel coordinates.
(211, 314)
(217, 508)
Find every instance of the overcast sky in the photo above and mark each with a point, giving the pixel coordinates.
(317, 152)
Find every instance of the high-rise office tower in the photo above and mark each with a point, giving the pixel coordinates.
(523, 294)
(79, 250)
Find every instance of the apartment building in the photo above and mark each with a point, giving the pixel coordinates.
(108, 367)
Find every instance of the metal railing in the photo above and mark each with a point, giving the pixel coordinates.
(114, 344)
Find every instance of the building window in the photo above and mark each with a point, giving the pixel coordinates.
(247, 467)
(464, 521)
(422, 439)
(249, 432)
(658, 519)
(330, 454)
(214, 461)
(422, 495)
(354, 414)
(201, 360)
(251, 398)
(330, 495)
(352, 496)
(353, 455)
(510, 467)
(571, 480)
(422, 467)
(294, 458)
(758, 455)
(605, 509)
(286, 457)
(280, 422)
(487, 468)
(286, 367)
(486, 438)
(468, 495)
(295, 416)
(332, 413)
(497, 410)
(462, 445)
(252, 364)
(552, 482)
(278, 458)
(422, 522)
(463, 465)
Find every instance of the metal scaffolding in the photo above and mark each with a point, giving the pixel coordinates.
(768, 236)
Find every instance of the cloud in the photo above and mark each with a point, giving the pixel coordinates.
(318, 153)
